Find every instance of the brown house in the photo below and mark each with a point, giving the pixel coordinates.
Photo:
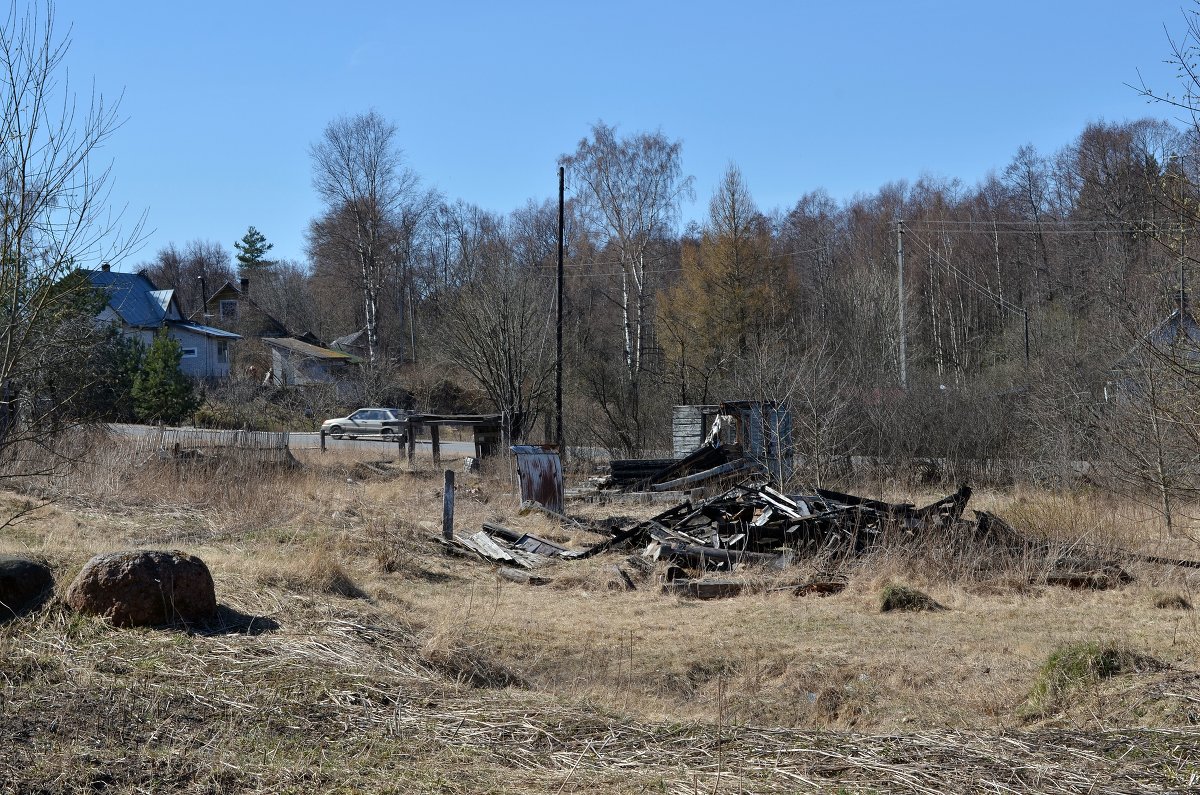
(232, 308)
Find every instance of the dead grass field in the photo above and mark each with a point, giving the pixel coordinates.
(354, 654)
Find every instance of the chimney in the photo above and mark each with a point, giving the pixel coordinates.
(105, 267)
(245, 287)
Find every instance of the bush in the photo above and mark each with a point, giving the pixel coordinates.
(161, 392)
(903, 598)
(1073, 668)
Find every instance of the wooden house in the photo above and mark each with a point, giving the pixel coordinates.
(141, 310)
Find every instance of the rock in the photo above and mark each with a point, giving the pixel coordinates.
(24, 584)
(145, 588)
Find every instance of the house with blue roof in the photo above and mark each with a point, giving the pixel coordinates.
(141, 310)
(1176, 340)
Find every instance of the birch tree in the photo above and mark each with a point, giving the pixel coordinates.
(374, 205)
(627, 192)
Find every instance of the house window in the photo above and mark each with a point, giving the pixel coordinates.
(189, 353)
(222, 351)
(229, 308)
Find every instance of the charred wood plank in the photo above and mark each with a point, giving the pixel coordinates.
(700, 557)
(727, 468)
(521, 576)
(704, 589)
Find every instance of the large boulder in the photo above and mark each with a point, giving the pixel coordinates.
(24, 584)
(145, 588)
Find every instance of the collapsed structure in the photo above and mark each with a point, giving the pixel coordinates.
(743, 447)
(756, 524)
(710, 442)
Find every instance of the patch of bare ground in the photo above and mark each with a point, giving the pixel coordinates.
(354, 653)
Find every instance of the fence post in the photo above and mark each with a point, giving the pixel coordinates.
(322, 440)
(448, 506)
(411, 431)
(435, 443)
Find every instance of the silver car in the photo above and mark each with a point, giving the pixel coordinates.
(367, 422)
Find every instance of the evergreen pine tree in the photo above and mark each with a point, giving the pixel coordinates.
(252, 250)
(161, 392)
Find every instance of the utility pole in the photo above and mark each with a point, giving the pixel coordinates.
(1025, 314)
(558, 370)
(900, 296)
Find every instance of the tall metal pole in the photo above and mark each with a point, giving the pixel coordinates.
(558, 374)
(900, 296)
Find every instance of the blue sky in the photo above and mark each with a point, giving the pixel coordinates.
(222, 100)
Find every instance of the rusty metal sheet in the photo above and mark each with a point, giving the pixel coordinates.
(540, 471)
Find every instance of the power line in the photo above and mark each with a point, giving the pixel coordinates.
(1045, 228)
(970, 280)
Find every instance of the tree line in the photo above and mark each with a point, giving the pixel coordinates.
(1020, 293)
(1021, 300)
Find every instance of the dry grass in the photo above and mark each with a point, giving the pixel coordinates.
(353, 653)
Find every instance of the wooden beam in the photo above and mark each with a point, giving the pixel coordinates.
(448, 506)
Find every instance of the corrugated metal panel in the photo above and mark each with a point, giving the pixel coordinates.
(207, 331)
(540, 471)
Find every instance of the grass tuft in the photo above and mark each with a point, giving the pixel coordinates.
(1172, 601)
(903, 598)
(1073, 669)
(319, 573)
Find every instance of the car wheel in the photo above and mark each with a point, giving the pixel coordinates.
(336, 431)
(386, 433)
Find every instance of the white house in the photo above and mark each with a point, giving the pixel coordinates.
(141, 310)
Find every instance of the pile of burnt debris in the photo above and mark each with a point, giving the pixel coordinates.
(753, 524)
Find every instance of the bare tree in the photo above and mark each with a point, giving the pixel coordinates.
(497, 325)
(374, 206)
(202, 265)
(628, 191)
(53, 218)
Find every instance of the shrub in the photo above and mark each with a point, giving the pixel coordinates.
(901, 597)
(1073, 668)
(1172, 601)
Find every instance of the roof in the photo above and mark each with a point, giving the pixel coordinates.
(1178, 330)
(307, 350)
(350, 340)
(133, 297)
(267, 326)
(208, 331)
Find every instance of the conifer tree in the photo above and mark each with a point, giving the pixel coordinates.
(161, 392)
(252, 250)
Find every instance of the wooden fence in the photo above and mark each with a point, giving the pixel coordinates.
(195, 443)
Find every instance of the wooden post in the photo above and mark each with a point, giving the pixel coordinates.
(448, 505)
(412, 438)
(435, 443)
(322, 440)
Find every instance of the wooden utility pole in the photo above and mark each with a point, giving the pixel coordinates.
(1025, 315)
(448, 506)
(558, 370)
(900, 296)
